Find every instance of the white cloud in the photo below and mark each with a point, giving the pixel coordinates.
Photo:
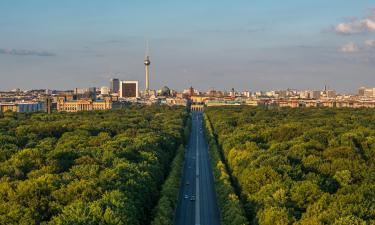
(369, 24)
(345, 28)
(370, 43)
(354, 25)
(349, 48)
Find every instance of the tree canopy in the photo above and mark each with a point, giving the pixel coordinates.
(102, 167)
(300, 166)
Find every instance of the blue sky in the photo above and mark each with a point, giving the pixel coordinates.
(248, 45)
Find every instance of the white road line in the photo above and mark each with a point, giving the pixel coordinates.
(197, 205)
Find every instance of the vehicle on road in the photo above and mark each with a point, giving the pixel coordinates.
(192, 198)
(186, 196)
(187, 182)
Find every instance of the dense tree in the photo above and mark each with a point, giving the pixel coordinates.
(299, 166)
(88, 167)
(231, 209)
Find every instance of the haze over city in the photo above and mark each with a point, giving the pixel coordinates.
(246, 45)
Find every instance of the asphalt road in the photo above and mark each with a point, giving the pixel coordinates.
(197, 199)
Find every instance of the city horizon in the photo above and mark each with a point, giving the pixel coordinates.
(228, 89)
(257, 46)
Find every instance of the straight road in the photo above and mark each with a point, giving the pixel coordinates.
(197, 199)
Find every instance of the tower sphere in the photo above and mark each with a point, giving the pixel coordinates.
(147, 61)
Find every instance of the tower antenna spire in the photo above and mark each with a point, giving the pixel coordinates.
(147, 49)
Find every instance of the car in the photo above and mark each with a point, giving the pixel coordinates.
(192, 198)
(187, 182)
(186, 196)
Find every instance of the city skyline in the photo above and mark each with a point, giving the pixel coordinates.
(248, 46)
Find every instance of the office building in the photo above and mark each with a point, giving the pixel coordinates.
(129, 89)
(114, 86)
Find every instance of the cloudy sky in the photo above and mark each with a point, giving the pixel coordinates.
(247, 45)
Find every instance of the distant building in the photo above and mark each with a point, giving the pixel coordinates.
(191, 91)
(114, 86)
(104, 90)
(304, 94)
(64, 105)
(48, 105)
(25, 107)
(315, 95)
(8, 107)
(331, 94)
(198, 99)
(129, 89)
(165, 91)
(361, 91)
(176, 101)
(282, 94)
(210, 103)
(270, 93)
(84, 93)
(366, 92)
(232, 93)
(369, 92)
(252, 102)
(246, 94)
(22, 107)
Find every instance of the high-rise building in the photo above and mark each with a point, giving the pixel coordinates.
(114, 85)
(129, 89)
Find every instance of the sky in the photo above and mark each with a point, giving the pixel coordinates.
(221, 44)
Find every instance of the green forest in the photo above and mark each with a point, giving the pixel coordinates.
(88, 167)
(299, 166)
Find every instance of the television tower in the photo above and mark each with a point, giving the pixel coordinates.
(147, 65)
